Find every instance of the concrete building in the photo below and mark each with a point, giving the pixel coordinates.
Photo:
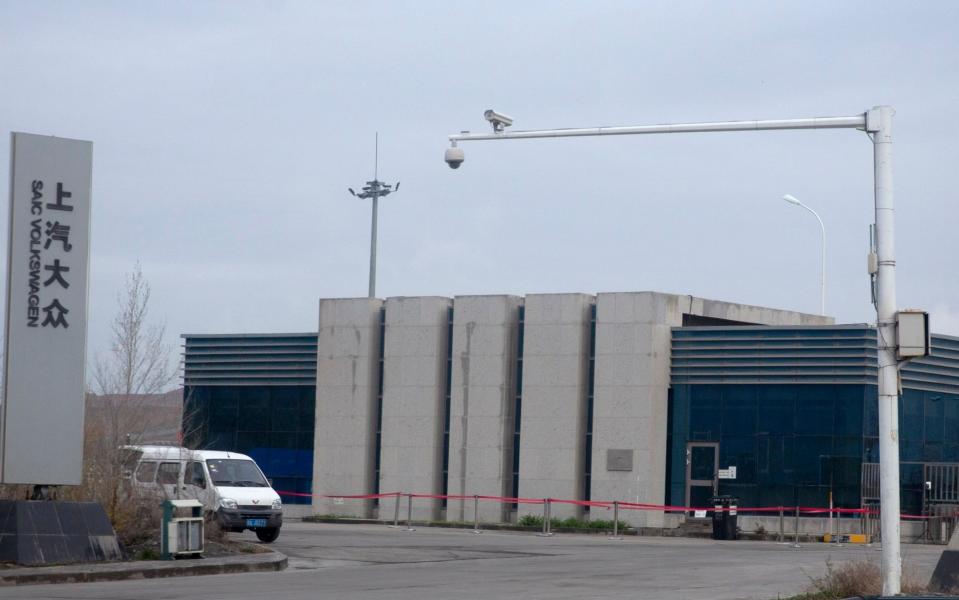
(549, 396)
(641, 397)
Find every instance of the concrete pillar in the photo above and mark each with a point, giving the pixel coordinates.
(630, 392)
(414, 393)
(481, 409)
(346, 389)
(553, 429)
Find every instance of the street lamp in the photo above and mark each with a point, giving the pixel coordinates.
(877, 123)
(374, 190)
(822, 272)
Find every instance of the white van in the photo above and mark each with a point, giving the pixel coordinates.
(229, 484)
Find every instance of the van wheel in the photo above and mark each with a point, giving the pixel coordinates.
(268, 534)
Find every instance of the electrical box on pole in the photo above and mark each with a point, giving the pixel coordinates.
(912, 334)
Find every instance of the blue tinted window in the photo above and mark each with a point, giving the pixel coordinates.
(911, 422)
(849, 410)
(777, 408)
(815, 410)
(934, 417)
(705, 413)
(285, 416)
(870, 420)
(739, 410)
(273, 424)
(796, 443)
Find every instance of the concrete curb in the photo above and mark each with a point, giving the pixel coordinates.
(143, 569)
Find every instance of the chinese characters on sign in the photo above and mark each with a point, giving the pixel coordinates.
(53, 259)
(41, 416)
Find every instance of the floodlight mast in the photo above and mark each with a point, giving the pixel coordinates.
(374, 190)
(877, 123)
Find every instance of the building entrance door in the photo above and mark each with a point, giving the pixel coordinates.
(702, 471)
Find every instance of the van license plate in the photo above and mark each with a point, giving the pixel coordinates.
(256, 522)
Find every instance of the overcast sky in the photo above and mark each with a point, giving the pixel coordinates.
(226, 134)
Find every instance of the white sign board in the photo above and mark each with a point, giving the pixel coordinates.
(727, 473)
(41, 436)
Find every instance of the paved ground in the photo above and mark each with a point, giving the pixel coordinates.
(374, 562)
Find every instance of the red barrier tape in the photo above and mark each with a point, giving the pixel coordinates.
(791, 510)
(345, 497)
(582, 503)
(513, 500)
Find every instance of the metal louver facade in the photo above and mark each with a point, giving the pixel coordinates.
(249, 359)
(844, 354)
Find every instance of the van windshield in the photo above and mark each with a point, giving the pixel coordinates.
(232, 472)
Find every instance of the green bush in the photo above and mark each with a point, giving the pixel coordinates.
(530, 521)
(569, 523)
(607, 524)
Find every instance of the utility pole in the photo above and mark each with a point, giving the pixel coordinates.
(879, 128)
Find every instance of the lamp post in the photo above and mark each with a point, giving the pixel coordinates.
(822, 272)
(374, 190)
(877, 123)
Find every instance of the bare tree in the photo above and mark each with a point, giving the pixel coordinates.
(138, 365)
(139, 361)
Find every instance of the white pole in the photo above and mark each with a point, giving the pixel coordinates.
(879, 124)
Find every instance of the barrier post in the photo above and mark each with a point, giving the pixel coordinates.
(838, 527)
(476, 528)
(796, 541)
(829, 521)
(615, 521)
(875, 528)
(782, 523)
(396, 510)
(549, 516)
(546, 516)
(409, 513)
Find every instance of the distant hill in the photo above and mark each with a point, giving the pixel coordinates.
(142, 417)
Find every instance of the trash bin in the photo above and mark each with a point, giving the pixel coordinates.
(181, 535)
(724, 517)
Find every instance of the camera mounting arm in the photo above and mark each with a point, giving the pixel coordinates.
(877, 123)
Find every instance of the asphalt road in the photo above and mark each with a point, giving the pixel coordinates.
(374, 562)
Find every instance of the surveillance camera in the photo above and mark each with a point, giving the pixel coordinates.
(454, 157)
(497, 120)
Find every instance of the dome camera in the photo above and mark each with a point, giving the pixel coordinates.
(454, 157)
